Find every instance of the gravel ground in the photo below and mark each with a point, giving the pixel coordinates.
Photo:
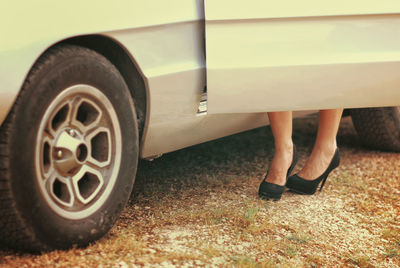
(199, 207)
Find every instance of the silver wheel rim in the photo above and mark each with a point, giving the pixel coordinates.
(78, 152)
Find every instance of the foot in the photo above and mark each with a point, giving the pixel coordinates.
(280, 164)
(318, 162)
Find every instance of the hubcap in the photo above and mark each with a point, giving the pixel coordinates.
(78, 151)
(70, 150)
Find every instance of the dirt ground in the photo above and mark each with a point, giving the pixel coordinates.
(199, 207)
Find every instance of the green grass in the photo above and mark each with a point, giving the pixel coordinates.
(299, 238)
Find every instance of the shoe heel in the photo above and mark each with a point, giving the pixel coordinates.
(323, 183)
(334, 163)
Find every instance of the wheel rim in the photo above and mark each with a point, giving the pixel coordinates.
(78, 151)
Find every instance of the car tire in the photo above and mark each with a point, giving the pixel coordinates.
(378, 128)
(68, 152)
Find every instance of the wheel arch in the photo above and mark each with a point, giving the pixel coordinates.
(125, 63)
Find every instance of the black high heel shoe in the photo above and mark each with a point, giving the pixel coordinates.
(309, 187)
(274, 191)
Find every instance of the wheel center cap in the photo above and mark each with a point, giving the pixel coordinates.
(70, 152)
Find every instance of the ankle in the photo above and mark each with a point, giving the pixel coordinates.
(284, 147)
(327, 148)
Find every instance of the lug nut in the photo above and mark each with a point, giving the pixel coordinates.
(72, 133)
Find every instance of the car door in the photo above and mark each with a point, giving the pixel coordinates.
(299, 55)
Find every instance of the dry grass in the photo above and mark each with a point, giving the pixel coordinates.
(199, 207)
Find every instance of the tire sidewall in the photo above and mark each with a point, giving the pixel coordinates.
(76, 66)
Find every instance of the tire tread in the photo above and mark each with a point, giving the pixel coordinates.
(377, 128)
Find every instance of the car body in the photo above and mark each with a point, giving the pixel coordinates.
(200, 70)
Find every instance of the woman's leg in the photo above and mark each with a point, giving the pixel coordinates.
(281, 125)
(325, 144)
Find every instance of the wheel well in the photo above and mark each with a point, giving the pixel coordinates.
(118, 56)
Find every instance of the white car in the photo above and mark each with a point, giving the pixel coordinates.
(88, 87)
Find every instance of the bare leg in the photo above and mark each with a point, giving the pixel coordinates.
(325, 144)
(281, 125)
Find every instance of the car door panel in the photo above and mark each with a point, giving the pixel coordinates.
(270, 59)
